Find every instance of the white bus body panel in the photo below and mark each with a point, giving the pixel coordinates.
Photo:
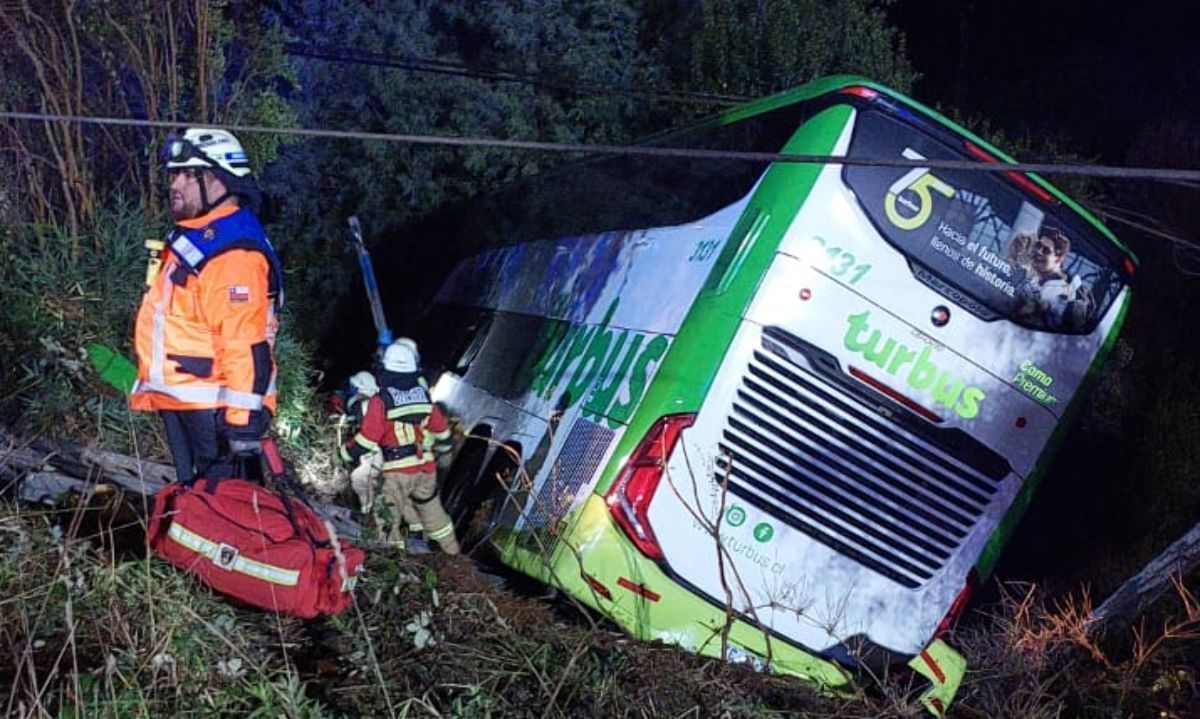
(639, 284)
(792, 583)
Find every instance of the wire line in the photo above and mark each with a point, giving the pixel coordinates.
(1133, 173)
(440, 67)
(1175, 239)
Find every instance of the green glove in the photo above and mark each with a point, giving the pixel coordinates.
(112, 366)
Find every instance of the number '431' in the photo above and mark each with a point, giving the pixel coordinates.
(843, 263)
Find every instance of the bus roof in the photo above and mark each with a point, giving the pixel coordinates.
(835, 83)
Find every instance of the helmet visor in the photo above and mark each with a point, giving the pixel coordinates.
(178, 152)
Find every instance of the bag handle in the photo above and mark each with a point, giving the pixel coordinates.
(279, 470)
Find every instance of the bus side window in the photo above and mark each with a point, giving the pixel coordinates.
(471, 343)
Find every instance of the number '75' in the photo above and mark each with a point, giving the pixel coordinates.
(919, 181)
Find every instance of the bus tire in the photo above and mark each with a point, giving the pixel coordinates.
(459, 483)
(485, 505)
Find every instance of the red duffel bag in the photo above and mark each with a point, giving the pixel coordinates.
(254, 545)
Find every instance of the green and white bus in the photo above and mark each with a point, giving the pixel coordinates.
(776, 412)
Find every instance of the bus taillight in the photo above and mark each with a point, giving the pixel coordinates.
(959, 604)
(1017, 178)
(629, 498)
(865, 93)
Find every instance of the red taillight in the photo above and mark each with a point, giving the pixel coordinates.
(629, 498)
(1030, 186)
(979, 152)
(959, 604)
(865, 93)
(1024, 182)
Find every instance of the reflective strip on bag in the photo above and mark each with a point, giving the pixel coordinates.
(229, 558)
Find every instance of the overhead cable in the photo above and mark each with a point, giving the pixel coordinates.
(1130, 173)
(441, 67)
(1175, 239)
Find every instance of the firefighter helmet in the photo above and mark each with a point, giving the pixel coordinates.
(401, 356)
(412, 345)
(364, 383)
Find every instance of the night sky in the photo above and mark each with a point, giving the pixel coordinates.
(1088, 72)
(1089, 75)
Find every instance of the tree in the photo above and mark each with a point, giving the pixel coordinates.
(756, 47)
(181, 60)
(508, 71)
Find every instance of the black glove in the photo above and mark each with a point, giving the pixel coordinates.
(247, 439)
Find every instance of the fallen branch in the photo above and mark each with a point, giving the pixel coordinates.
(46, 487)
(87, 465)
(1140, 591)
(44, 468)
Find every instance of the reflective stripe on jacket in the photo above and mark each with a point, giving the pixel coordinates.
(206, 328)
(402, 442)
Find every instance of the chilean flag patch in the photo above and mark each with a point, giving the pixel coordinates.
(239, 294)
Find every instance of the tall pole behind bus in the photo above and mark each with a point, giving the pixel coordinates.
(383, 334)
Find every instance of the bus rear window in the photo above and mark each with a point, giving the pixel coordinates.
(978, 239)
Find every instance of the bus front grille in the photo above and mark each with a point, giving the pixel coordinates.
(831, 463)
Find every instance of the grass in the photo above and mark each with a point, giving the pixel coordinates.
(90, 627)
(94, 628)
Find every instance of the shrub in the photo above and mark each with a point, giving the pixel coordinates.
(61, 293)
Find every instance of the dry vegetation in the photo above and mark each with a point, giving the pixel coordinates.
(91, 627)
(94, 628)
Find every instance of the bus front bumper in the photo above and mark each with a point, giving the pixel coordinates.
(944, 668)
(600, 567)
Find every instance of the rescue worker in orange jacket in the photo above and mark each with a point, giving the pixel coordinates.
(205, 332)
(403, 424)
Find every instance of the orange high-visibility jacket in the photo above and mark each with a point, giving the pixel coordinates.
(206, 327)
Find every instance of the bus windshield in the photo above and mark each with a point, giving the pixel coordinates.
(977, 238)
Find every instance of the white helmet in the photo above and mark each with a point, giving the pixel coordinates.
(364, 383)
(401, 356)
(209, 148)
(412, 345)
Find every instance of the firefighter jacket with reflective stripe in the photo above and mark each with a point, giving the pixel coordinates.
(206, 327)
(404, 402)
(399, 423)
(355, 409)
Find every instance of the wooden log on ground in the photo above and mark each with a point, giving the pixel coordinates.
(1136, 595)
(156, 473)
(71, 467)
(46, 487)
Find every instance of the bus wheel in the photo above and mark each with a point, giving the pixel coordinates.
(459, 484)
(489, 504)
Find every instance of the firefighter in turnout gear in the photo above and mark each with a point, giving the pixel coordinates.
(363, 478)
(205, 332)
(409, 431)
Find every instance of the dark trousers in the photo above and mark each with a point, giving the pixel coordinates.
(199, 444)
